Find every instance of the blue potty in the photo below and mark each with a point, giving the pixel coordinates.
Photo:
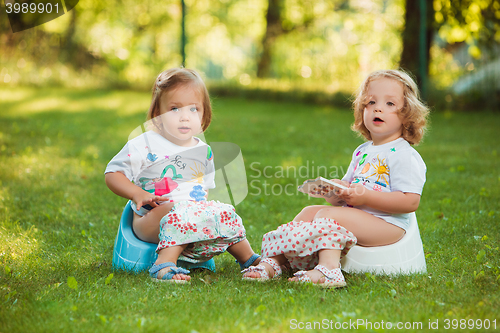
(132, 254)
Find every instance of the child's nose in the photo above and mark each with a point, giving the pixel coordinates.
(185, 113)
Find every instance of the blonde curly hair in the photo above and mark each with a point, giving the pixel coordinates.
(413, 114)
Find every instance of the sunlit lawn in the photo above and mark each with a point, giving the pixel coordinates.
(58, 221)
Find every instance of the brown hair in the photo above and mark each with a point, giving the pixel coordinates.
(413, 114)
(172, 79)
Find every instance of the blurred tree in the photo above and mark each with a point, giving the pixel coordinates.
(475, 22)
(277, 24)
(224, 36)
(136, 40)
(123, 42)
(273, 29)
(183, 33)
(412, 52)
(72, 51)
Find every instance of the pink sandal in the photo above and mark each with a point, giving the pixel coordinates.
(333, 278)
(261, 269)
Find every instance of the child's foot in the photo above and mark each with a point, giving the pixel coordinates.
(321, 276)
(267, 268)
(314, 275)
(162, 272)
(169, 272)
(254, 260)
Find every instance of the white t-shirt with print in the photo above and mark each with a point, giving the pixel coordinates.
(394, 166)
(160, 167)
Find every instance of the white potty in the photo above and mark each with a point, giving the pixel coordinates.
(404, 257)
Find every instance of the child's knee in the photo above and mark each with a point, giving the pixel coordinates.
(328, 212)
(310, 210)
(305, 210)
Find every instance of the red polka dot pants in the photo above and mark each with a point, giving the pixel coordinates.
(301, 241)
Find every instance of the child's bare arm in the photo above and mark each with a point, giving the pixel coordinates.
(119, 184)
(391, 202)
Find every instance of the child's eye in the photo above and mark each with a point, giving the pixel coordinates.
(390, 103)
(193, 109)
(371, 103)
(174, 109)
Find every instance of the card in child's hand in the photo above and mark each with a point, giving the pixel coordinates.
(320, 186)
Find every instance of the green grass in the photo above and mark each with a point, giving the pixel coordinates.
(58, 220)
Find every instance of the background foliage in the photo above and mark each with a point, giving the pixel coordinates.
(324, 46)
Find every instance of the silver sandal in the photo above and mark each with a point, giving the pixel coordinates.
(261, 269)
(333, 278)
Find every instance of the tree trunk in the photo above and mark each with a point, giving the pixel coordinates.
(71, 51)
(410, 55)
(273, 30)
(68, 41)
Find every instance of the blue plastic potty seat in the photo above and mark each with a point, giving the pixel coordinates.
(132, 254)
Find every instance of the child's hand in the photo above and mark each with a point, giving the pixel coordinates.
(146, 198)
(335, 199)
(355, 195)
(337, 190)
(341, 182)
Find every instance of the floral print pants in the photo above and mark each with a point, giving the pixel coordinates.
(209, 227)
